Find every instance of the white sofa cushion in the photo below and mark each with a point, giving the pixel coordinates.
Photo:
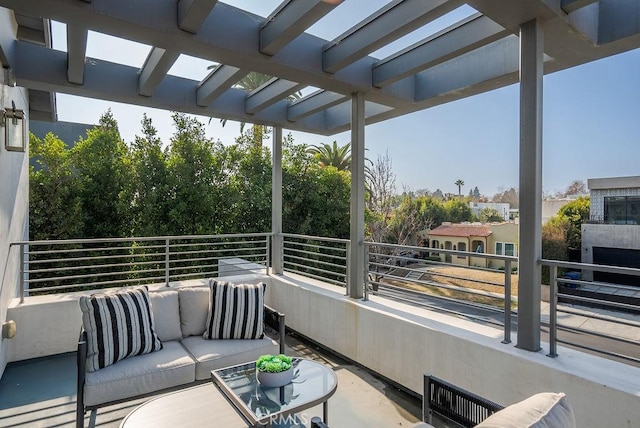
(194, 308)
(140, 375)
(216, 354)
(166, 314)
(544, 410)
(236, 311)
(119, 325)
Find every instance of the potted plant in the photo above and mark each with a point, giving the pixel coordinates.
(274, 370)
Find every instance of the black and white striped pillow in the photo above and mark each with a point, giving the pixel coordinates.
(235, 311)
(118, 325)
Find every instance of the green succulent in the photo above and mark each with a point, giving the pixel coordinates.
(273, 363)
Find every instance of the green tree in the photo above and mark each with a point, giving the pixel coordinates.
(102, 167)
(196, 181)
(150, 183)
(488, 215)
(55, 209)
(575, 212)
(458, 210)
(459, 183)
(333, 155)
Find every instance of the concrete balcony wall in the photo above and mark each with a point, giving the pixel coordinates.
(14, 199)
(50, 325)
(402, 342)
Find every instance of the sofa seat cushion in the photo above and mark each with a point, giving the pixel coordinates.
(544, 410)
(216, 354)
(140, 375)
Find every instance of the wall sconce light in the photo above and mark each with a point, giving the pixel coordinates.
(13, 128)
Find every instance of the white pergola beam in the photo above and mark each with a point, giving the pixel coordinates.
(290, 20)
(193, 13)
(217, 82)
(462, 37)
(314, 103)
(395, 20)
(76, 53)
(155, 67)
(269, 93)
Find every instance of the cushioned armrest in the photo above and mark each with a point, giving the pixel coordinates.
(275, 319)
(81, 360)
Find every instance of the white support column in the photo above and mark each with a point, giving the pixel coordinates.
(276, 203)
(530, 248)
(355, 281)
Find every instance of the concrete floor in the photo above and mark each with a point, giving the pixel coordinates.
(41, 393)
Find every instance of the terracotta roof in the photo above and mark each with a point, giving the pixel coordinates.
(460, 230)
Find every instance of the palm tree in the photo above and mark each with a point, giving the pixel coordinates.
(249, 83)
(332, 155)
(459, 183)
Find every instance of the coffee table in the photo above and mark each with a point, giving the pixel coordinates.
(312, 384)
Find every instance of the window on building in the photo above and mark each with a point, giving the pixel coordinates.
(462, 246)
(622, 209)
(505, 249)
(477, 246)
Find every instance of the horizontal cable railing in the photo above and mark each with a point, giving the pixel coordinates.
(88, 264)
(625, 348)
(416, 272)
(316, 257)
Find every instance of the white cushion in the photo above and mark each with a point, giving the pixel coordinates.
(236, 311)
(139, 375)
(119, 325)
(216, 354)
(194, 308)
(544, 410)
(166, 314)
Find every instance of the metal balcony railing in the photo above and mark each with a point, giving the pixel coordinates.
(86, 264)
(317, 257)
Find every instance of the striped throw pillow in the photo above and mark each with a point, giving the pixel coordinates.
(235, 311)
(118, 325)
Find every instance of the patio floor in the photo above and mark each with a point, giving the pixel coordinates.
(41, 393)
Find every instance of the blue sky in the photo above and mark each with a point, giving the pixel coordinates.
(591, 116)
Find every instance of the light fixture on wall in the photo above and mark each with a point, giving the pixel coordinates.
(13, 128)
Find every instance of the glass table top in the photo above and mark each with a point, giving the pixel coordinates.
(312, 384)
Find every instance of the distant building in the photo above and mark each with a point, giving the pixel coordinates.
(502, 208)
(490, 238)
(612, 235)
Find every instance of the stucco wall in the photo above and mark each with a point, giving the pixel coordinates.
(609, 236)
(14, 200)
(402, 343)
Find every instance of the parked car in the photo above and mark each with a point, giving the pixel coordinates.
(403, 258)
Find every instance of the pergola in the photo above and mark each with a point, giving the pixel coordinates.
(505, 42)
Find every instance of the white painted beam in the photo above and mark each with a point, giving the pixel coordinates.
(569, 6)
(290, 20)
(155, 67)
(314, 103)
(395, 20)
(217, 82)
(269, 93)
(192, 13)
(277, 255)
(76, 53)
(356, 252)
(460, 38)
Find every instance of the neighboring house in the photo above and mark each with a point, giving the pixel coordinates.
(490, 238)
(551, 207)
(503, 209)
(612, 235)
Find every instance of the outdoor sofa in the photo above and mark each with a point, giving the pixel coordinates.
(179, 353)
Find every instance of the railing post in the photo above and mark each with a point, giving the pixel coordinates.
(507, 301)
(166, 261)
(21, 279)
(366, 271)
(267, 265)
(553, 306)
(347, 282)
